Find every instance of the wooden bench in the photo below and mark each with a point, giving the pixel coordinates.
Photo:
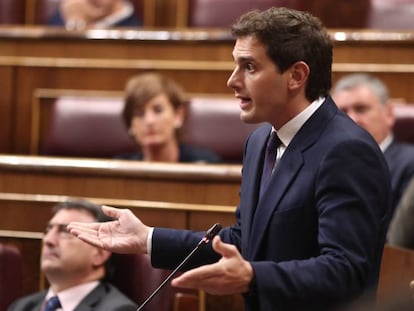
(217, 184)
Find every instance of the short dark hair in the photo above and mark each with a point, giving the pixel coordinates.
(291, 36)
(80, 204)
(144, 87)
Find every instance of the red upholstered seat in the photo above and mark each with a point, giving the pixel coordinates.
(91, 126)
(223, 13)
(214, 123)
(87, 127)
(10, 275)
(391, 14)
(81, 126)
(135, 276)
(404, 122)
(12, 11)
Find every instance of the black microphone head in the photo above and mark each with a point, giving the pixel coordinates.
(211, 233)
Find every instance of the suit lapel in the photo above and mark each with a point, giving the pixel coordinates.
(90, 301)
(287, 169)
(249, 189)
(285, 172)
(38, 305)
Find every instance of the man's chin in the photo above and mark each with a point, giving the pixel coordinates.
(50, 266)
(249, 117)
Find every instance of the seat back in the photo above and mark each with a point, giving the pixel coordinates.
(12, 11)
(214, 123)
(44, 10)
(10, 274)
(219, 13)
(86, 127)
(135, 276)
(92, 126)
(404, 122)
(391, 14)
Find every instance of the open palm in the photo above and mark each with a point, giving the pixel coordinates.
(125, 234)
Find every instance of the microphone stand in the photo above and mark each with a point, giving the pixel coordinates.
(205, 240)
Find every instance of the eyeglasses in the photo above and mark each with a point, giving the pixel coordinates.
(62, 230)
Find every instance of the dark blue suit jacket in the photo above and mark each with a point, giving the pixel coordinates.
(316, 237)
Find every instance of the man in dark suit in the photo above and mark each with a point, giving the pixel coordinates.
(312, 239)
(365, 99)
(74, 269)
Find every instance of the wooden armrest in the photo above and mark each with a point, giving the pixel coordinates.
(186, 302)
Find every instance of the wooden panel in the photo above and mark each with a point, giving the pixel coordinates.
(6, 107)
(36, 209)
(181, 183)
(397, 271)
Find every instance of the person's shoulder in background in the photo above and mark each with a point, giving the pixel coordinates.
(128, 17)
(195, 154)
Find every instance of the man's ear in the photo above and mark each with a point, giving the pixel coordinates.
(100, 257)
(389, 113)
(299, 73)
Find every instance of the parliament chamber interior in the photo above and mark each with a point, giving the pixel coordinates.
(53, 79)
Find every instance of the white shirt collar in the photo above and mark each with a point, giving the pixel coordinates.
(71, 297)
(289, 130)
(386, 142)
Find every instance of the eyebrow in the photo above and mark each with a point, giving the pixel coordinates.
(242, 59)
(59, 225)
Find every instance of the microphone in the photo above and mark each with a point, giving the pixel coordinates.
(210, 234)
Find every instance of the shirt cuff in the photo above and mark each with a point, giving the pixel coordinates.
(149, 241)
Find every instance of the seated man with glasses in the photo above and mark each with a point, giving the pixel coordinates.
(75, 270)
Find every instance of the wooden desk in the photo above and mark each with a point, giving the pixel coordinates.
(37, 208)
(117, 179)
(397, 271)
(200, 60)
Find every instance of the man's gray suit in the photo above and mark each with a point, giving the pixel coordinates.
(104, 297)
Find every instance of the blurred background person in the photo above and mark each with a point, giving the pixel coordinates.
(365, 99)
(80, 14)
(154, 114)
(401, 230)
(75, 270)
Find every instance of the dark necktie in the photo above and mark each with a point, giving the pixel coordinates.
(269, 161)
(52, 304)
